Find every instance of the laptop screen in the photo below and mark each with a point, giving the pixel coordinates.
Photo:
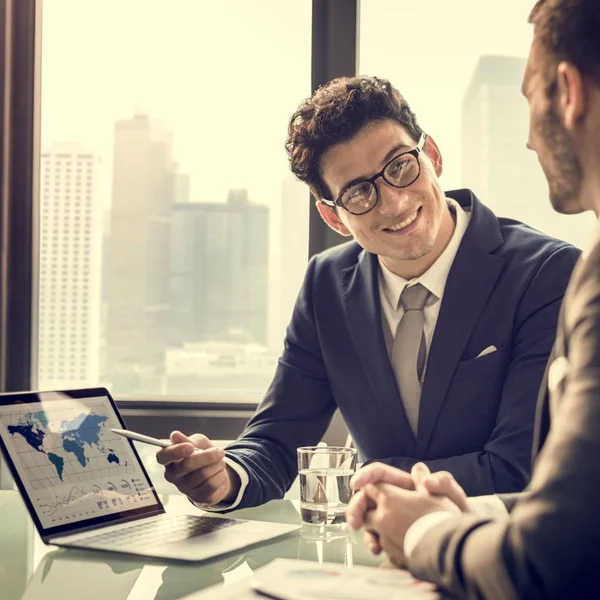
(72, 470)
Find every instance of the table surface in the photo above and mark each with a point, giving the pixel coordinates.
(30, 570)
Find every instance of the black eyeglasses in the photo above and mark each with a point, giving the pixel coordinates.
(400, 172)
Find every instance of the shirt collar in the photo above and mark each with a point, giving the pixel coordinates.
(434, 279)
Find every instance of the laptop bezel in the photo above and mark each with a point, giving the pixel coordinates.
(95, 523)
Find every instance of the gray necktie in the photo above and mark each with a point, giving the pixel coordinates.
(409, 351)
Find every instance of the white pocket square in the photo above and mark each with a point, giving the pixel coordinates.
(488, 350)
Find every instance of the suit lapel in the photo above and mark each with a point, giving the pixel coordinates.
(470, 282)
(362, 305)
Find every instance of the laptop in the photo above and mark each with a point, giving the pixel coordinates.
(86, 487)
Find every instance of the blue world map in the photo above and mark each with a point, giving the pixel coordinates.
(66, 437)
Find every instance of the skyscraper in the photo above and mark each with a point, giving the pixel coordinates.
(138, 254)
(219, 271)
(70, 264)
(496, 163)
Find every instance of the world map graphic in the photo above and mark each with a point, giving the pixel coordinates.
(65, 438)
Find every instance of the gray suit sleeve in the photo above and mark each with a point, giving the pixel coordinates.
(548, 548)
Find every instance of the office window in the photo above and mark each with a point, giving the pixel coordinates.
(460, 67)
(181, 139)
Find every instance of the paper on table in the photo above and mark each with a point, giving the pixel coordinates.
(308, 580)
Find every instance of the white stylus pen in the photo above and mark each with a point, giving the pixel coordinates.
(140, 437)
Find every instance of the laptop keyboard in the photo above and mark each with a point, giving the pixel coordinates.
(161, 531)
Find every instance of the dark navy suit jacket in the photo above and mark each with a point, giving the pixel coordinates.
(476, 414)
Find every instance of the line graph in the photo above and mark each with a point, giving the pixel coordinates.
(76, 494)
(79, 502)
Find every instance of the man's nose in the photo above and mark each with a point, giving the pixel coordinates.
(529, 142)
(391, 198)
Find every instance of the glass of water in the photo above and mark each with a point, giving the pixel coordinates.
(325, 491)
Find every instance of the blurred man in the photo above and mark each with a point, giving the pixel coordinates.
(430, 330)
(549, 545)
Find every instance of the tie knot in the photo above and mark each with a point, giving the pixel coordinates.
(414, 297)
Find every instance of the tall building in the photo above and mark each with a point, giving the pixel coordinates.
(138, 254)
(70, 265)
(219, 271)
(496, 164)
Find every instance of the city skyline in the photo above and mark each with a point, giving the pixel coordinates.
(133, 197)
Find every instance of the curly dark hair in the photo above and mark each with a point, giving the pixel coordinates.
(569, 30)
(335, 113)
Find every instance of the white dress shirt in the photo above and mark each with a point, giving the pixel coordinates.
(390, 288)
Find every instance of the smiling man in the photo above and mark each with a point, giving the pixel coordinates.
(430, 329)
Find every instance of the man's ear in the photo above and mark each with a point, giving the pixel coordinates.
(331, 217)
(572, 94)
(432, 150)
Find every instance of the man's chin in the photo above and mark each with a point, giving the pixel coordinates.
(415, 253)
(566, 204)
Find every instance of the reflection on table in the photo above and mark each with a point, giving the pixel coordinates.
(29, 570)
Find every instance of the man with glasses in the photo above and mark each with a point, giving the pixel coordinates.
(430, 330)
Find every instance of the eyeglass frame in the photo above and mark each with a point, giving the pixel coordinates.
(414, 152)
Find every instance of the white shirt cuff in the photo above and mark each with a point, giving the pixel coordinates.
(483, 506)
(243, 475)
(488, 506)
(421, 526)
